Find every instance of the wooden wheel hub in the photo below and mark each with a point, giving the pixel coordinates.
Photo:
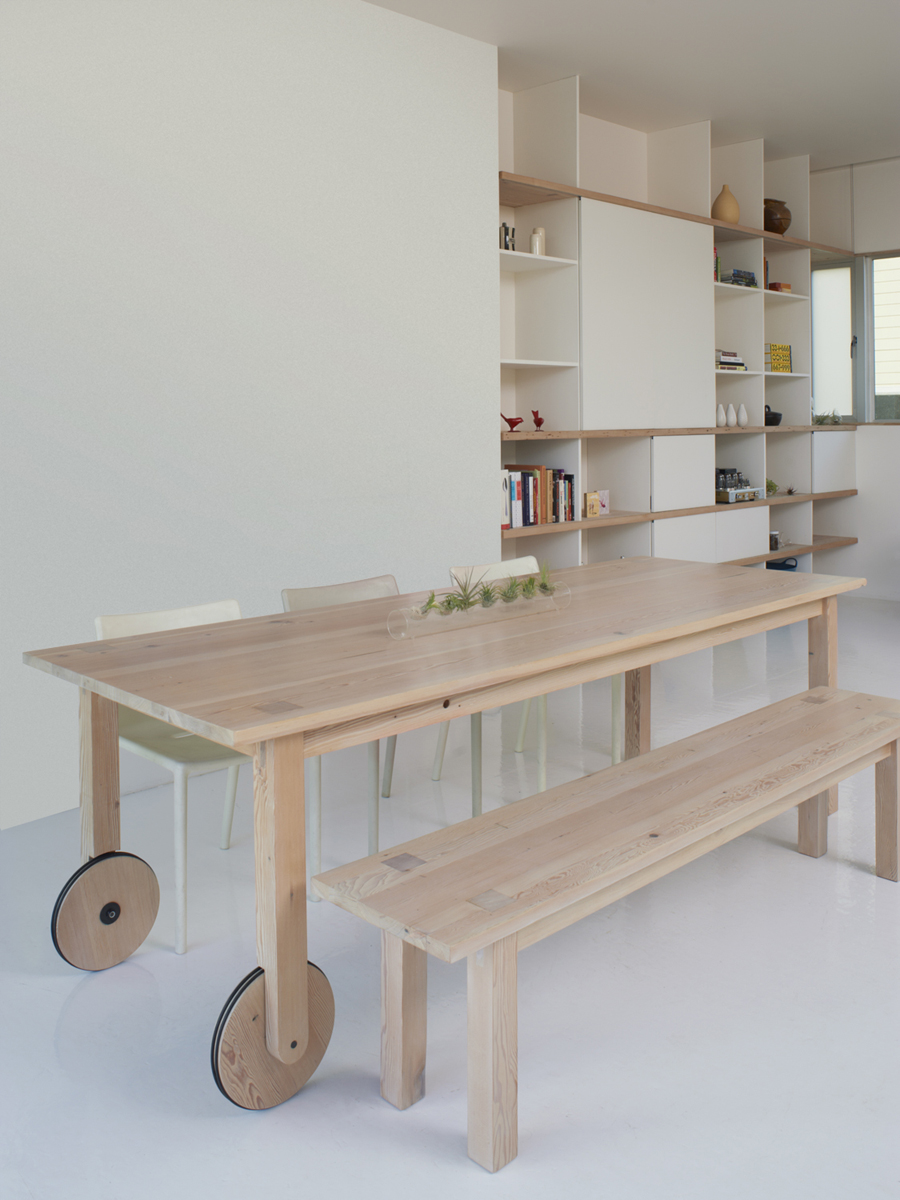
(105, 911)
(242, 1066)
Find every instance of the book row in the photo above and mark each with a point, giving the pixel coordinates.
(536, 495)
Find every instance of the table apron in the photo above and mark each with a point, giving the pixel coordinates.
(432, 712)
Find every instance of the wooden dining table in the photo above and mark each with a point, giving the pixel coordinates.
(289, 686)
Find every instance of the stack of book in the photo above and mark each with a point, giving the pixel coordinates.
(738, 277)
(717, 265)
(538, 496)
(729, 360)
(778, 358)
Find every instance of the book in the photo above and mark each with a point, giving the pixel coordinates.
(505, 516)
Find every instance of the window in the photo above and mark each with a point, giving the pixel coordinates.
(832, 339)
(886, 337)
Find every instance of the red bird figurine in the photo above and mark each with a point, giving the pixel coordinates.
(512, 422)
(538, 419)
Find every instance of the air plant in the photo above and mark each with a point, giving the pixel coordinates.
(529, 588)
(487, 594)
(832, 418)
(510, 591)
(466, 596)
(545, 584)
(430, 605)
(792, 491)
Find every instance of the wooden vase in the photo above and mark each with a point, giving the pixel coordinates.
(725, 207)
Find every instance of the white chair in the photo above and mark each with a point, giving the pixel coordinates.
(184, 754)
(299, 600)
(490, 573)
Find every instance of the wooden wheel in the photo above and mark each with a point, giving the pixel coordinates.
(242, 1066)
(105, 911)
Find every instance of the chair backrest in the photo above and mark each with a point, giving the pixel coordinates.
(299, 599)
(129, 624)
(488, 572)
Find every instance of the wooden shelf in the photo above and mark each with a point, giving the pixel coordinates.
(637, 518)
(518, 260)
(518, 190)
(769, 295)
(739, 374)
(736, 287)
(820, 542)
(786, 374)
(521, 364)
(575, 435)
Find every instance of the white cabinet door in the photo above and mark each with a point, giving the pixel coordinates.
(648, 322)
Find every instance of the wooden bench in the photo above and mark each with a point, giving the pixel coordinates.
(488, 887)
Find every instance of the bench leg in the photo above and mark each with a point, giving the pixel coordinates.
(637, 712)
(812, 826)
(404, 990)
(823, 650)
(887, 815)
(492, 1055)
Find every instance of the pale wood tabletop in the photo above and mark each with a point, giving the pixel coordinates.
(295, 685)
(246, 681)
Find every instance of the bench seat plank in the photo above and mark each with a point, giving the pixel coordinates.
(459, 889)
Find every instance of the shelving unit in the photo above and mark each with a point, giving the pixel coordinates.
(623, 370)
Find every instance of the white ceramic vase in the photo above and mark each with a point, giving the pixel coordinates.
(538, 240)
(731, 417)
(721, 420)
(742, 417)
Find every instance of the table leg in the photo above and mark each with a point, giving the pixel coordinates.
(280, 840)
(637, 712)
(823, 650)
(276, 1024)
(107, 908)
(99, 734)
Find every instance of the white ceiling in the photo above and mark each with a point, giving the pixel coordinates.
(817, 77)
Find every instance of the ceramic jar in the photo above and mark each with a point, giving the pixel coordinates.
(776, 216)
(725, 207)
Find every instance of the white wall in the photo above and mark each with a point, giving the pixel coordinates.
(234, 357)
(871, 516)
(857, 207)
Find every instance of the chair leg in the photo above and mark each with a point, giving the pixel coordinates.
(374, 749)
(617, 714)
(887, 815)
(542, 743)
(492, 1054)
(181, 788)
(523, 725)
(475, 722)
(228, 812)
(389, 751)
(439, 749)
(314, 810)
(404, 993)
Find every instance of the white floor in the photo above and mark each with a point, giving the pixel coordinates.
(730, 1031)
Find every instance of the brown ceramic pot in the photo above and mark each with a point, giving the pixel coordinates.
(776, 216)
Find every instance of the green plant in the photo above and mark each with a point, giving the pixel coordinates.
(771, 487)
(466, 596)
(430, 605)
(545, 583)
(510, 591)
(832, 418)
(487, 594)
(529, 588)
